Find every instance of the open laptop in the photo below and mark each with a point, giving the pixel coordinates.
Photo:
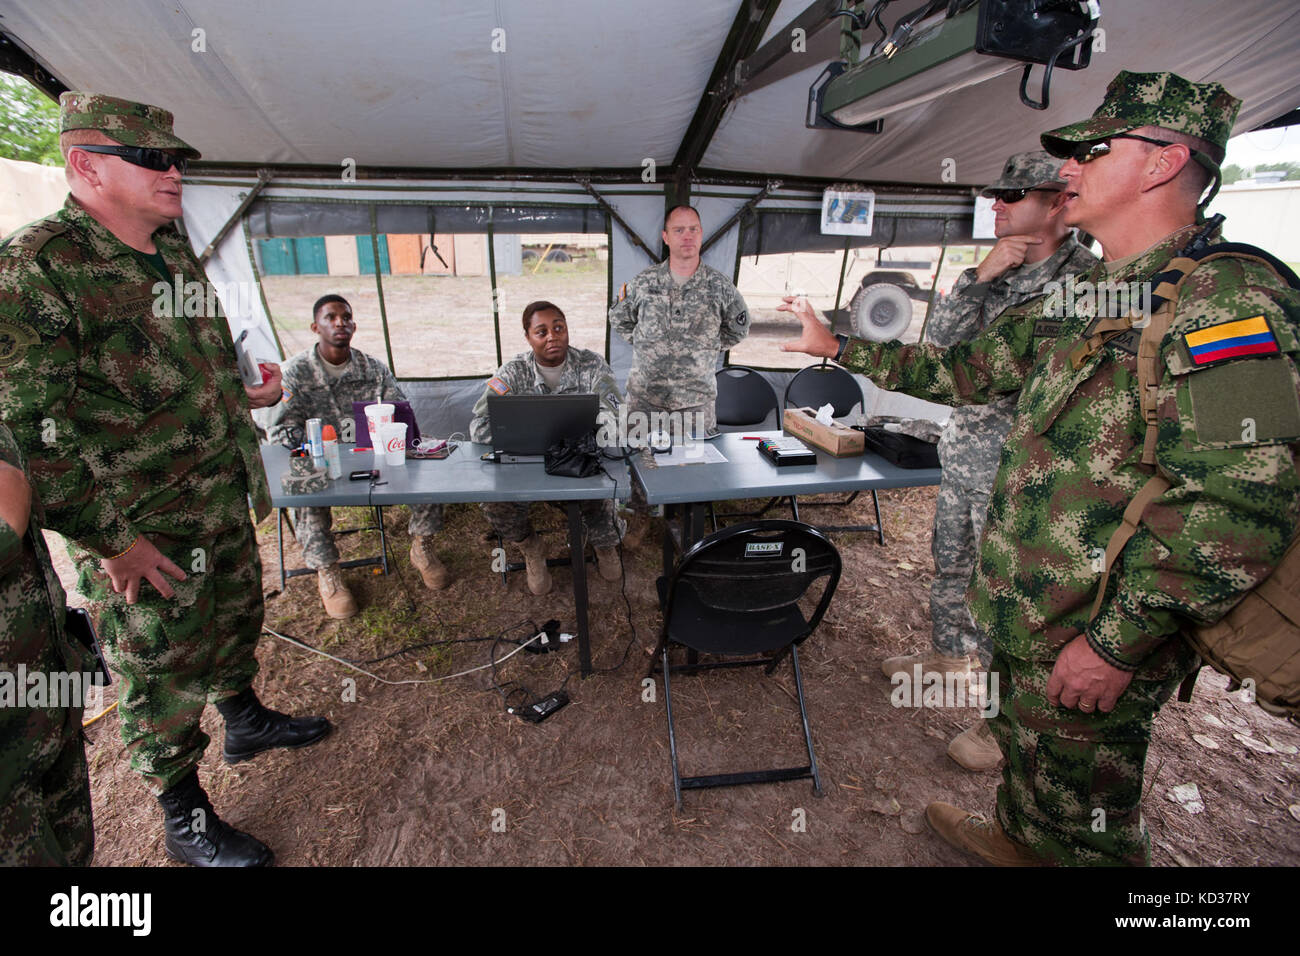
(524, 426)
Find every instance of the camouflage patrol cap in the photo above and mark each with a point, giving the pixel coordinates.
(131, 124)
(1166, 100)
(1027, 171)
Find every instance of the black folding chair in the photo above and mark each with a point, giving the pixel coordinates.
(746, 398)
(736, 594)
(814, 387)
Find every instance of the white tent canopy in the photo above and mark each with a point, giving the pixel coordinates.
(586, 84)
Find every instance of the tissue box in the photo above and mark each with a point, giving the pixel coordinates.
(838, 440)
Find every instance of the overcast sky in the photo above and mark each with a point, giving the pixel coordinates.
(1265, 146)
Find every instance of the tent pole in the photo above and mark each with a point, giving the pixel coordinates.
(750, 204)
(604, 204)
(263, 178)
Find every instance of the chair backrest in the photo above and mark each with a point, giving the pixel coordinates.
(741, 587)
(818, 384)
(745, 397)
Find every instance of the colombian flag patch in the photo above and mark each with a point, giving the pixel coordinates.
(1237, 339)
(498, 386)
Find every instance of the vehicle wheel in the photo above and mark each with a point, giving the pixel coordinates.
(558, 255)
(880, 312)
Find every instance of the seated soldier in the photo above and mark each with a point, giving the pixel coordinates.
(323, 382)
(552, 368)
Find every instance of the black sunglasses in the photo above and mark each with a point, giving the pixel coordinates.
(159, 160)
(1009, 196)
(1087, 152)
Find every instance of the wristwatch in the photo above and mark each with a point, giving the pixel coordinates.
(844, 343)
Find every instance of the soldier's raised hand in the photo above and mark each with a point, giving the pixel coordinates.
(15, 498)
(816, 338)
(141, 560)
(1009, 252)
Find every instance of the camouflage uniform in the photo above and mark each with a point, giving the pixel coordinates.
(45, 815)
(583, 371)
(1070, 466)
(149, 433)
(676, 334)
(971, 442)
(310, 392)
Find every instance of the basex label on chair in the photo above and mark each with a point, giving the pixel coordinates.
(759, 549)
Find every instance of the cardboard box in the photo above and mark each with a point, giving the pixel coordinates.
(838, 440)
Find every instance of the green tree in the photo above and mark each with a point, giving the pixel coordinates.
(1292, 170)
(29, 123)
(1233, 173)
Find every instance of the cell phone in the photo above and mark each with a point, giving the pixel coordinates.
(364, 475)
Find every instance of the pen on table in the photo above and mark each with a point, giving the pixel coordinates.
(751, 438)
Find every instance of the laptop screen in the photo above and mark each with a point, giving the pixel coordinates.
(529, 424)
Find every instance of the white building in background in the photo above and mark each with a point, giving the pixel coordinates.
(1263, 214)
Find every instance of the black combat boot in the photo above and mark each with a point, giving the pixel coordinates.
(196, 835)
(252, 728)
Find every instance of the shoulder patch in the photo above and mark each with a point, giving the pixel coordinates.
(15, 339)
(1239, 338)
(286, 394)
(32, 238)
(497, 385)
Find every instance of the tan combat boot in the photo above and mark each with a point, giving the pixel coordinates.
(637, 526)
(974, 834)
(609, 564)
(334, 594)
(975, 748)
(539, 576)
(930, 660)
(424, 560)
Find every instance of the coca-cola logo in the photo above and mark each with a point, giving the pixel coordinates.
(396, 444)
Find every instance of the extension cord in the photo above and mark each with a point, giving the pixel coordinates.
(549, 638)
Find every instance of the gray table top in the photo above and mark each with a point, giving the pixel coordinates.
(747, 474)
(459, 477)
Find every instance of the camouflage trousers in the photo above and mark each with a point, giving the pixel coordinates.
(312, 528)
(642, 418)
(45, 815)
(959, 516)
(1072, 784)
(175, 656)
(510, 520)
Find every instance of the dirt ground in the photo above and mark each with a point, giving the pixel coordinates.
(439, 774)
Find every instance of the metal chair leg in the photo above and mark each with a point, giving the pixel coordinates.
(279, 540)
(672, 736)
(803, 715)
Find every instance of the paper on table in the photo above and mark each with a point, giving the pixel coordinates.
(693, 453)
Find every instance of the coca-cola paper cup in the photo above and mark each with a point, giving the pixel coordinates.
(393, 436)
(377, 414)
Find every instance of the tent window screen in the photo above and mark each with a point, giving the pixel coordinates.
(433, 291)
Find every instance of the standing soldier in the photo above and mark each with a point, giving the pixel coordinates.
(1080, 687)
(1034, 247)
(678, 316)
(137, 430)
(44, 785)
